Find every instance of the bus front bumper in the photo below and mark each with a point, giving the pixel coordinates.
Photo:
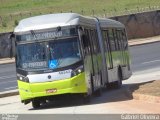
(29, 91)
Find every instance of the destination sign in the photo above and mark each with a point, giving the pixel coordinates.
(46, 35)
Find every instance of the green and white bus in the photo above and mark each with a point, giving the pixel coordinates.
(67, 53)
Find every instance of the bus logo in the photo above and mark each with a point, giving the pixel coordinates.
(49, 76)
(65, 72)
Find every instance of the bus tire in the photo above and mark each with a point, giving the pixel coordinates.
(98, 92)
(86, 99)
(35, 104)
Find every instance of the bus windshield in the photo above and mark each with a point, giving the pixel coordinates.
(48, 55)
(64, 52)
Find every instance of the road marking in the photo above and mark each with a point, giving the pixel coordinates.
(7, 81)
(10, 87)
(5, 77)
(151, 61)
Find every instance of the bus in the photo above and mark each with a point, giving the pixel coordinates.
(67, 54)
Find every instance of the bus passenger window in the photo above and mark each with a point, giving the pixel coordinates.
(111, 40)
(125, 40)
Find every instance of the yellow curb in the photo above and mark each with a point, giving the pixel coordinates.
(146, 98)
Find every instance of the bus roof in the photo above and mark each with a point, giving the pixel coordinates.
(60, 19)
(104, 23)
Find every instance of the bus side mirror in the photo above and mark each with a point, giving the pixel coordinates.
(11, 36)
(12, 48)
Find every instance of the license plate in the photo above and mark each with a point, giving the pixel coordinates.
(51, 90)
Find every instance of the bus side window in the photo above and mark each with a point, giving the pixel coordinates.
(85, 41)
(97, 42)
(94, 45)
(116, 40)
(125, 39)
(118, 32)
(107, 49)
(111, 40)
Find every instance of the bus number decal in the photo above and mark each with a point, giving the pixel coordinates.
(65, 72)
(34, 64)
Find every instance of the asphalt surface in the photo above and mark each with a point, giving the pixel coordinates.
(7, 77)
(145, 58)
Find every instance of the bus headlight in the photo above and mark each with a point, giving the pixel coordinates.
(77, 71)
(22, 78)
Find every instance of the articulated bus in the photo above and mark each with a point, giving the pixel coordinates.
(66, 54)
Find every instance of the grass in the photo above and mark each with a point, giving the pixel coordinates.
(15, 10)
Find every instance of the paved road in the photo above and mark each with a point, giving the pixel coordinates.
(7, 77)
(145, 59)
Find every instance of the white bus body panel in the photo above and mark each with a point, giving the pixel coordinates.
(60, 75)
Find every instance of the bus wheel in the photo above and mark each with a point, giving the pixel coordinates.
(98, 92)
(86, 99)
(35, 104)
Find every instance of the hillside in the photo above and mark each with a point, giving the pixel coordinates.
(11, 11)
